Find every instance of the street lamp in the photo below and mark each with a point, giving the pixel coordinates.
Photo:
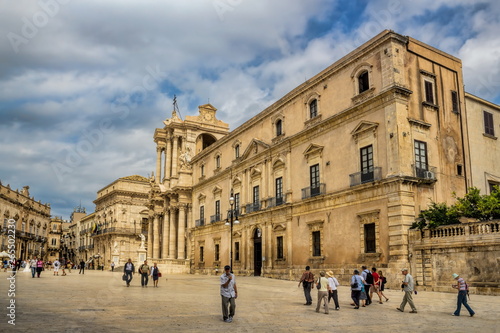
(230, 222)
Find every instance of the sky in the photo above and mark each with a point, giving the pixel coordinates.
(84, 84)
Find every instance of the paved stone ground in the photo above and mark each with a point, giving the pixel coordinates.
(100, 302)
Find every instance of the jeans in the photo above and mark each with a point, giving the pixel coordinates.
(462, 299)
(33, 271)
(129, 277)
(144, 279)
(307, 291)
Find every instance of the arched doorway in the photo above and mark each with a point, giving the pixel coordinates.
(257, 252)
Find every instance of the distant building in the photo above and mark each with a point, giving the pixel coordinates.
(30, 220)
(55, 241)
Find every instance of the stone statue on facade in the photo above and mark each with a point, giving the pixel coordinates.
(143, 241)
(185, 159)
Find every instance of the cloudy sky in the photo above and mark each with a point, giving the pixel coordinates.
(84, 84)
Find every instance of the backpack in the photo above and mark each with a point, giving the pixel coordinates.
(369, 278)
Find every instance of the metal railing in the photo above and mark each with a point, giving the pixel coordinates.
(200, 222)
(275, 201)
(252, 207)
(368, 176)
(310, 192)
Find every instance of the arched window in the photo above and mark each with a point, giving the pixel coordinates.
(237, 151)
(313, 108)
(363, 82)
(279, 127)
(217, 162)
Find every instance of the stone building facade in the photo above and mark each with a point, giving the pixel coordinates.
(118, 226)
(331, 175)
(31, 220)
(483, 119)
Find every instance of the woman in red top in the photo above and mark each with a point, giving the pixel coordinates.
(376, 285)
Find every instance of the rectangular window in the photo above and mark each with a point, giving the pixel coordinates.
(216, 252)
(314, 179)
(202, 170)
(237, 151)
(489, 128)
(420, 158)
(316, 246)
(256, 195)
(217, 210)
(493, 186)
(429, 91)
(366, 155)
(279, 247)
(201, 254)
(370, 238)
(202, 213)
(279, 191)
(217, 162)
(237, 251)
(313, 109)
(54, 241)
(237, 203)
(363, 82)
(454, 101)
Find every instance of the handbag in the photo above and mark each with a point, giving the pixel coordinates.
(124, 277)
(318, 285)
(355, 284)
(159, 274)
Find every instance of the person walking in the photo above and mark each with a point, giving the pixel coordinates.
(39, 267)
(323, 289)
(69, 265)
(63, 266)
(463, 291)
(155, 274)
(112, 266)
(82, 267)
(229, 293)
(144, 270)
(33, 267)
(356, 286)
(375, 286)
(307, 280)
(382, 281)
(56, 265)
(128, 270)
(407, 285)
(334, 283)
(368, 278)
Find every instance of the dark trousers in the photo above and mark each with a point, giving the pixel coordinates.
(82, 270)
(367, 291)
(462, 299)
(144, 279)
(228, 307)
(355, 296)
(307, 292)
(129, 277)
(334, 294)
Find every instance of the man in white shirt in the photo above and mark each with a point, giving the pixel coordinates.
(229, 293)
(407, 286)
(33, 267)
(56, 265)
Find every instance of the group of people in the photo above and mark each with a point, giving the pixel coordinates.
(364, 284)
(145, 270)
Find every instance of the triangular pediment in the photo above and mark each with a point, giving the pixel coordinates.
(254, 148)
(364, 126)
(313, 149)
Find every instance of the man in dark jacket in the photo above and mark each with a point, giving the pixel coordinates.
(128, 270)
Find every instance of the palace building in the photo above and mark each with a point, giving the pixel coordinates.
(332, 175)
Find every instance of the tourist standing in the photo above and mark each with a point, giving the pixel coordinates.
(112, 266)
(56, 265)
(63, 266)
(33, 267)
(69, 265)
(155, 274)
(39, 267)
(82, 267)
(356, 286)
(307, 281)
(463, 291)
(229, 293)
(144, 270)
(128, 270)
(407, 286)
(382, 281)
(323, 289)
(334, 283)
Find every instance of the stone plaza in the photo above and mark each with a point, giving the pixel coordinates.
(99, 301)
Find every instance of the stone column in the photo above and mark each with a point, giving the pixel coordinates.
(166, 235)
(150, 238)
(174, 155)
(182, 233)
(168, 160)
(172, 237)
(158, 164)
(156, 237)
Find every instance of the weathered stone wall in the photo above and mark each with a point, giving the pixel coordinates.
(471, 250)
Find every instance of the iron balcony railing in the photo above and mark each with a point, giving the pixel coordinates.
(252, 207)
(215, 218)
(275, 201)
(200, 222)
(310, 192)
(425, 172)
(368, 176)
